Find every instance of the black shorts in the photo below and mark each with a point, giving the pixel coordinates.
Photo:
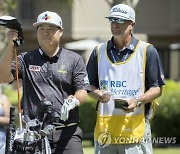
(67, 140)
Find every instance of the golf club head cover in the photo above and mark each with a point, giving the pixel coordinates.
(13, 23)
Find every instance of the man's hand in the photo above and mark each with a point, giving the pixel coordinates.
(102, 95)
(68, 105)
(132, 105)
(12, 36)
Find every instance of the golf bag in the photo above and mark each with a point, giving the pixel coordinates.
(33, 138)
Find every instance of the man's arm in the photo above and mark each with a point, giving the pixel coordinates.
(148, 96)
(4, 120)
(92, 69)
(154, 79)
(6, 60)
(101, 95)
(81, 95)
(81, 86)
(5, 65)
(95, 92)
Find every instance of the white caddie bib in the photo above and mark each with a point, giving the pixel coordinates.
(125, 80)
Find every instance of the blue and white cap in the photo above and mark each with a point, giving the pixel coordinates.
(122, 11)
(49, 18)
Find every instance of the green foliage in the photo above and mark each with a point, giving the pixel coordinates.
(90, 150)
(6, 6)
(87, 113)
(166, 122)
(11, 94)
(11, 4)
(63, 2)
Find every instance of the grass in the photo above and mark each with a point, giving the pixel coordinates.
(89, 149)
(164, 151)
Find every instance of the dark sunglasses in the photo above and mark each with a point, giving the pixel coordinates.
(117, 20)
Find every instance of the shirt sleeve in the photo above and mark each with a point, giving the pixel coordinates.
(80, 77)
(92, 69)
(154, 70)
(20, 66)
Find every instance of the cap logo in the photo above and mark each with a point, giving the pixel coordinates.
(46, 17)
(119, 10)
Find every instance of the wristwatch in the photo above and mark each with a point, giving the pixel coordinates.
(138, 102)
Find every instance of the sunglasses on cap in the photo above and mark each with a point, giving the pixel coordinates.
(117, 20)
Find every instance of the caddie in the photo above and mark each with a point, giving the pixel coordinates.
(126, 76)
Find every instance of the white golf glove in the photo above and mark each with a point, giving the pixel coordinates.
(68, 105)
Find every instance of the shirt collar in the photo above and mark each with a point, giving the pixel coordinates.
(47, 57)
(131, 46)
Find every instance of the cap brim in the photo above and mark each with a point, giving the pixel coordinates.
(36, 24)
(117, 16)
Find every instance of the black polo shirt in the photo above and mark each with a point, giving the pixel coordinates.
(53, 79)
(154, 75)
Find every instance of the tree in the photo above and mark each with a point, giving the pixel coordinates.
(63, 2)
(5, 8)
(132, 3)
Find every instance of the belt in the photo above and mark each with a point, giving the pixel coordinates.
(60, 125)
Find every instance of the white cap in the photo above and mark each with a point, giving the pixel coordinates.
(49, 18)
(122, 11)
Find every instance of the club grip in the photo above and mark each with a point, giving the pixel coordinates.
(10, 134)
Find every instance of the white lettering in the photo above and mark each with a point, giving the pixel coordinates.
(119, 10)
(34, 68)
